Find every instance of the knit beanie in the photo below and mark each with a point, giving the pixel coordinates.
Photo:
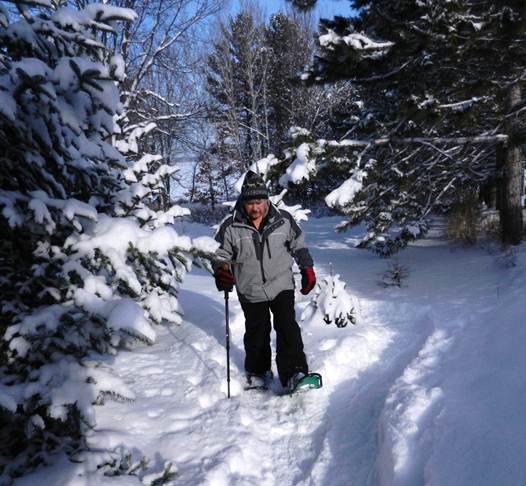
(253, 187)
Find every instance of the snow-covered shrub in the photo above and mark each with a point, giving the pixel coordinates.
(395, 275)
(86, 263)
(332, 303)
(125, 462)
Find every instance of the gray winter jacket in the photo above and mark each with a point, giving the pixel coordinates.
(261, 261)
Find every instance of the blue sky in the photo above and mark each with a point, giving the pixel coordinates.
(324, 8)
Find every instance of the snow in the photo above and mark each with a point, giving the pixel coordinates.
(32, 67)
(329, 38)
(427, 388)
(205, 244)
(296, 132)
(362, 42)
(331, 303)
(346, 192)
(64, 383)
(114, 235)
(72, 18)
(7, 400)
(129, 316)
(296, 211)
(20, 345)
(92, 14)
(48, 318)
(107, 13)
(163, 307)
(42, 214)
(8, 200)
(301, 167)
(3, 16)
(131, 144)
(357, 41)
(7, 105)
(142, 165)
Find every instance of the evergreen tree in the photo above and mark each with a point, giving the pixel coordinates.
(441, 87)
(88, 260)
(215, 167)
(254, 84)
(289, 50)
(236, 81)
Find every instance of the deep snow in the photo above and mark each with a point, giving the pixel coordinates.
(428, 388)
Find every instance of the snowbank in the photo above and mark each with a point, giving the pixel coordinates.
(427, 388)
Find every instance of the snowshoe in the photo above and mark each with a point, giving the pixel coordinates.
(303, 382)
(258, 381)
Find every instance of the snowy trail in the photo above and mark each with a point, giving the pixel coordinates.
(327, 437)
(323, 437)
(424, 390)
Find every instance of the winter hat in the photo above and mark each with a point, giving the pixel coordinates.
(253, 187)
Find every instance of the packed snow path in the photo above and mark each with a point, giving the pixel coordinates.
(181, 413)
(409, 393)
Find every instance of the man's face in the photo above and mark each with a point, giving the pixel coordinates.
(256, 208)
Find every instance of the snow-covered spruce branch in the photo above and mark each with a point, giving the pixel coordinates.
(90, 261)
(464, 105)
(482, 139)
(355, 40)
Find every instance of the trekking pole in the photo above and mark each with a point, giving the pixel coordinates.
(227, 343)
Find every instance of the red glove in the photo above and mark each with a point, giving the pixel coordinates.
(308, 280)
(224, 279)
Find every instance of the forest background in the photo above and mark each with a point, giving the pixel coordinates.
(400, 112)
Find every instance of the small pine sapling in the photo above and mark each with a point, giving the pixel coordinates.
(167, 476)
(395, 275)
(125, 462)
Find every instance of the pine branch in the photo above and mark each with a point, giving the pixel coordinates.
(476, 140)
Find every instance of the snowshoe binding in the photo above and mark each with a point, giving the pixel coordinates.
(258, 381)
(303, 382)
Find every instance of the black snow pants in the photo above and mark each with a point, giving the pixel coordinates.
(290, 357)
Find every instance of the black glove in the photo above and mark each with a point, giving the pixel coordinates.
(224, 279)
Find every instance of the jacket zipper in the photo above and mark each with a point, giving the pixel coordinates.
(261, 251)
(261, 248)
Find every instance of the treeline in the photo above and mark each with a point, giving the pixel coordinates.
(253, 81)
(404, 110)
(440, 118)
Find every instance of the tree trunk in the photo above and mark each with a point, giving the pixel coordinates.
(488, 194)
(512, 177)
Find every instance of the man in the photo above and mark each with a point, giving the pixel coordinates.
(258, 245)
